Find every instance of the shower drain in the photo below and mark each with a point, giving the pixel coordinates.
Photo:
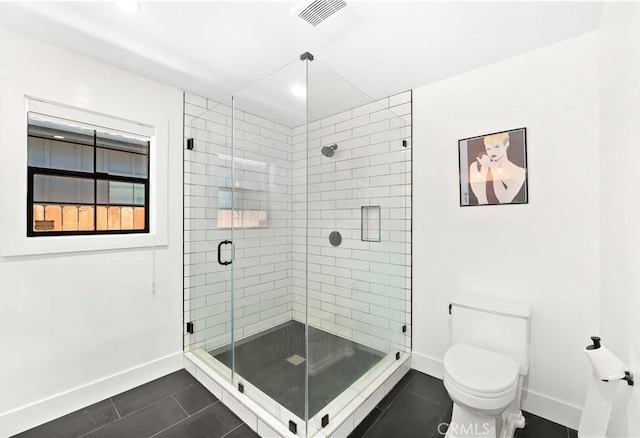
(296, 359)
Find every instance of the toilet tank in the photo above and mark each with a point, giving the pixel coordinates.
(493, 325)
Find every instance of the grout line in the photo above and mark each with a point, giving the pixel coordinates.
(399, 392)
(144, 407)
(240, 425)
(436, 433)
(101, 427)
(184, 419)
(114, 407)
(126, 416)
(392, 401)
(374, 423)
(181, 407)
(426, 398)
(167, 428)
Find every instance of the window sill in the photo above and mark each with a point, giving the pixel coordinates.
(29, 246)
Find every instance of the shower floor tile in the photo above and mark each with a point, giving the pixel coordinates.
(334, 364)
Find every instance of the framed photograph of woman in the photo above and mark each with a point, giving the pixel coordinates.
(493, 168)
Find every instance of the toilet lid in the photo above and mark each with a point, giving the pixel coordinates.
(480, 370)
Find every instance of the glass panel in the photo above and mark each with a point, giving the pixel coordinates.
(62, 189)
(208, 220)
(120, 218)
(120, 193)
(122, 142)
(54, 154)
(121, 163)
(63, 217)
(269, 348)
(356, 290)
(53, 128)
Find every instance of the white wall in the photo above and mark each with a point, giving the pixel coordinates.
(79, 327)
(544, 253)
(619, 213)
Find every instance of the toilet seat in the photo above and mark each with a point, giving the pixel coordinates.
(479, 378)
(479, 371)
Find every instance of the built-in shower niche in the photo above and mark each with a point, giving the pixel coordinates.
(302, 326)
(370, 223)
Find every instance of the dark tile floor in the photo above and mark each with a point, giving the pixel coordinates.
(334, 364)
(419, 406)
(177, 406)
(174, 406)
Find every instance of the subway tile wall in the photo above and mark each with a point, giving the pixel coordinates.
(262, 269)
(359, 290)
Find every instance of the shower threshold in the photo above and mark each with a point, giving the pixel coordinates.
(274, 361)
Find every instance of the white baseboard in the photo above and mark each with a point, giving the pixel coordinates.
(552, 409)
(42, 411)
(427, 364)
(538, 404)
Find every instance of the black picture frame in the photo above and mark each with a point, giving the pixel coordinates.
(493, 169)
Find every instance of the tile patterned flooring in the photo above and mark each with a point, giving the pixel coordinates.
(174, 406)
(419, 406)
(177, 406)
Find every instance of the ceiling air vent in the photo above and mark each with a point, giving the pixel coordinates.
(334, 18)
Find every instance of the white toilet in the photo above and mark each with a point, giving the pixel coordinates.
(485, 366)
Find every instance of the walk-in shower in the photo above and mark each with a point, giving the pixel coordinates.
(299, 322)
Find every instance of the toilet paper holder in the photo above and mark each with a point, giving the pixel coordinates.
(628, 376)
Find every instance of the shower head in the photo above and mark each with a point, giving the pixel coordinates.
(328, 151)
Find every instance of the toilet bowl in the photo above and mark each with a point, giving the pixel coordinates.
(482, 384)
(484, 369)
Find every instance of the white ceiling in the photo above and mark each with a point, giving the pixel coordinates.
(218, 48)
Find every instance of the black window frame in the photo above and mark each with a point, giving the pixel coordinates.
(32, 171)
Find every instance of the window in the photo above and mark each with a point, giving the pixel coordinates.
(84, 179)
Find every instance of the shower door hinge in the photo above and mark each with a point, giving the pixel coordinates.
(404, 143)
(404, 329)
(190, 327)
(241, 388)
(398, 355)
(450, 306)
(293, 427)
(190, 144)
(325, 420)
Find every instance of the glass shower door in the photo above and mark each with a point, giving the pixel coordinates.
(208, 233)
(269, 348)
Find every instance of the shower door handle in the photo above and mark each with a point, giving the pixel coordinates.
(224, 242)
